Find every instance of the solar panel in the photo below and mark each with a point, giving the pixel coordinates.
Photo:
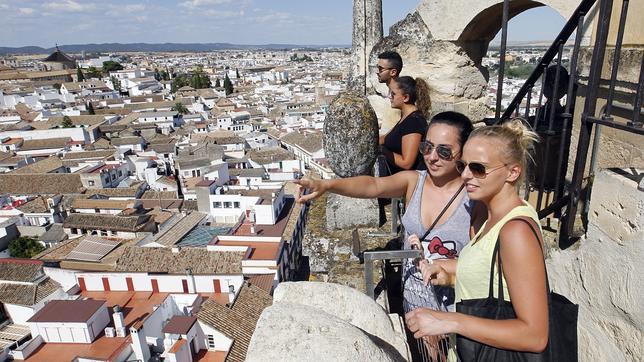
(92, 248)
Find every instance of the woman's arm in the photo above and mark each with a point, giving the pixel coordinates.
(363, 187)
(410, 143)
(523, 268)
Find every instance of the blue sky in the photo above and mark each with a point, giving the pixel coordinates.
(44, 23)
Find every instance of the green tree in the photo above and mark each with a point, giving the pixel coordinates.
(179, 107)
(164, 75)
(217, 83)
(178, 82)
(90, 108)
(25, 247)
(57, 86)
(228, 85)
(79, 74)
(67, 122)
(237, 73)
(157, 75)
(92, 72)
(199, 79)
(116, 83)
(111, 66)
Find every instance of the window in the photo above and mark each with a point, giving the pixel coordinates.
(120, 173)
(113, 177)
(90, 182)
(216, 205)
(227, 204)
(74, 231)
(236, 204)
(211, 341)
(103, 232)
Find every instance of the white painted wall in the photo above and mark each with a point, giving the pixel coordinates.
(19, 314)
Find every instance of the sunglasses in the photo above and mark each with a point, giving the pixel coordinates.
(382, 69)
(477, 169)
(443, 152)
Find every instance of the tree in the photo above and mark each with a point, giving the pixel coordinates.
(228, 85)
(116, 83)
(217, 83)
(92, 72)
(67, 122)
(111, 66)
(79, 75)
(199, 79)
(90, 108)
(164, 75)
(237, 73)
(25, 247)
(157, 75)
(57, 86)
(178, 82)
(179, 107)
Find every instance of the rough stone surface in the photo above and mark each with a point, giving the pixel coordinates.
(309, 334)
(604, 273)
(351, 135)
(345, 303)
(367, 31)
(346, 212)
(455, 81)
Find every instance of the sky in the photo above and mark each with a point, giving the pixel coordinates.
(302, 22)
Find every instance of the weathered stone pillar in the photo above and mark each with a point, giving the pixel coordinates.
(367, 31)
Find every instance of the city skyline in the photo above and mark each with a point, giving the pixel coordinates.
(38, 23)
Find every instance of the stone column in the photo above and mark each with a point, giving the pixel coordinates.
(367, 31)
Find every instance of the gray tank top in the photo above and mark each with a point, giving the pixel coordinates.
(444, 241)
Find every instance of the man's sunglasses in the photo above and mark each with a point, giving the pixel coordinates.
(443, 152)
(382, 69)
(477, 169)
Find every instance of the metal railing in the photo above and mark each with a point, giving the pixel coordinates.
(553, 122)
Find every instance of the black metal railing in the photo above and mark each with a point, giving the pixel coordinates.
(547, 179)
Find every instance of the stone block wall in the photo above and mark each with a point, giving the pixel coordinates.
(604, 272)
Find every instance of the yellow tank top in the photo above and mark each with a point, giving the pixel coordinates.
(473, 268)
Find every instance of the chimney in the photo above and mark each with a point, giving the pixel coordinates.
(119, 322)
(139, 344)
(191, 281)
(231, 293)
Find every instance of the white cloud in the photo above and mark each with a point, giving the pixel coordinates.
(224, 13)
(70, 6)
(26, 11)
(201, 3)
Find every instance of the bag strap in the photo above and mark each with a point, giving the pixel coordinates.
(497, 247)
(443, 211)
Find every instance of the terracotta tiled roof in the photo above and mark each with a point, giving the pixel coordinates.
(27, 294)
(47, 165)
(102, 204)
(311, 141)
(158, 260)
(36, 206)
(41, 184)
(239, 322)
(179, 324)
(107, 222)
(19, 270)
(31, 145)
(86, 155)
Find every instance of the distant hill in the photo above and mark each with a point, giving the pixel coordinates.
(146, 47)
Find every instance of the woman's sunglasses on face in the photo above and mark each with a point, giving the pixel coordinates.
(444, 152)
(477, 169)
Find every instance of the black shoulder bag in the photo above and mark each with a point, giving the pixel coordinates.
(562, 318)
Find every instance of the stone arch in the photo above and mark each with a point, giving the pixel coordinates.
(448, 20)
(482, 28)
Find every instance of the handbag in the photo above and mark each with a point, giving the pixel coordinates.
(562, 318)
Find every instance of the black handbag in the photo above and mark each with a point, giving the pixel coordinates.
(562, 317)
